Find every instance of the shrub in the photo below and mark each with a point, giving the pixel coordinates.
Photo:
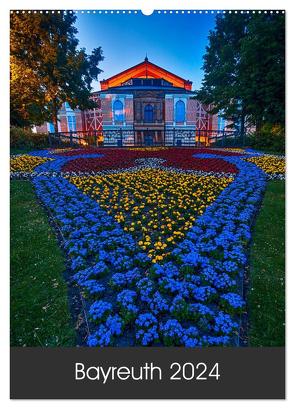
(230, 142)
(269, 137)
(25, 138)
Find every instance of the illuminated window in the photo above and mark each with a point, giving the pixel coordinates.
(67, 106)
(148, 113)
(180, 111)
(50, 127)
(71, 123)
(221, 123)
(118, 111)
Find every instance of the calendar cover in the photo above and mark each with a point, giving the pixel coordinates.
(147, 163)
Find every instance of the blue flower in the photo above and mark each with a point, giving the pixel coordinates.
(94, 287)
(147, 329)
(118, 280)
(233, 299)
(99, 310)
(203, 293)
(126, 300)
(158, 303)
(172, 332)
(190, 337)
(104, 335)
(224, 324)
(146, 289)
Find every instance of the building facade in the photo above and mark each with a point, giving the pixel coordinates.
(143, 105)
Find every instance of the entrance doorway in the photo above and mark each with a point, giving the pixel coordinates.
(148, 113)
(148, 140)
(149, 137)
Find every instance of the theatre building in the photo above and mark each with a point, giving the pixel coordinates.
(143, 105)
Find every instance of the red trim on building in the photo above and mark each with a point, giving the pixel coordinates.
(145, 69)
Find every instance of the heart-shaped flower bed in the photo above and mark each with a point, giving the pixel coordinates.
(159, 254)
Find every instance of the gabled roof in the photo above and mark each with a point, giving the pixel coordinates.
(145, 69)
(131, 89)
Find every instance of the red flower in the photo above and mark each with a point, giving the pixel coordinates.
(118, 158)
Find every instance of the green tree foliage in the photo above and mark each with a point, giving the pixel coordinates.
(221, 84)
(47, 68)
(244, 68)
(263, 69)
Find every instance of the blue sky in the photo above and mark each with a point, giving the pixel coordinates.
(174, 41)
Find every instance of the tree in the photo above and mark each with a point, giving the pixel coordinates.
(221, 85)
(263, 69)
(244, 69)
(27, 101)
(47, 68)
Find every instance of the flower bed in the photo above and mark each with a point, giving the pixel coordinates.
(125, 158)
(237, 150)
(273, 166)
(156, 238)
(43, 162)
(139, 291)
(155, 206)
(26, 163)
(136, 152)
(148, 149)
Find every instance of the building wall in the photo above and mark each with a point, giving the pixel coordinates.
(92, 118)
(102, 117)
(79, 120)
(196, 114)
(65, 124)
(107, 110)
(42, 128)
(129, 114)
(214, 122)
(169, 110)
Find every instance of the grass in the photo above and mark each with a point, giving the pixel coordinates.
(39, 305)
(16, 151)
(266, 298)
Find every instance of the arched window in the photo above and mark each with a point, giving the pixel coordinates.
(50, 127)
(118, 111)
(71, 123)
(180, 111)
(148, 113)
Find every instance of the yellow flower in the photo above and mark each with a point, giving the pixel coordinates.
(26, 163)
(268, 163)
(152, 203)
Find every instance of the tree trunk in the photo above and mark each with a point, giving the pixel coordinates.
(242, 129)
(54, 116)
(258, 125)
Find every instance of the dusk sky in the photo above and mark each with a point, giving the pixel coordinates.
(174, 41)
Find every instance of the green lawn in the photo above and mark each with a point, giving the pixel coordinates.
(16, 151)
(267, 271)
(39, 305)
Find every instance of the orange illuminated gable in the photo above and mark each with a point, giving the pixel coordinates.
(145, 69)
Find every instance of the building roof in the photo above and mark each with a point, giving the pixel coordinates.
(145, 69)
(146, 84)
(130, 89)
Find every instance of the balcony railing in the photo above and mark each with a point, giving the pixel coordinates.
(156, 122)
